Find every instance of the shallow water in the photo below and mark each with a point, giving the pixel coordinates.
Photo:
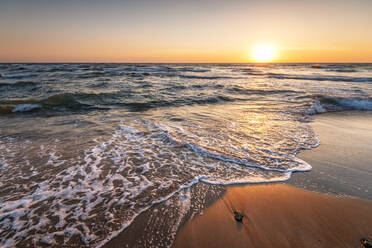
(85, 148)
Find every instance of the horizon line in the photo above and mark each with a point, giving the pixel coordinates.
(263, 63)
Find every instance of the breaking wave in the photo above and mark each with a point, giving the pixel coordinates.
(59, 101)
(325, 104)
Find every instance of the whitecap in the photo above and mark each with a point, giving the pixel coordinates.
(26, 107)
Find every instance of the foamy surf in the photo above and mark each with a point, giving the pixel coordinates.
(138, 161)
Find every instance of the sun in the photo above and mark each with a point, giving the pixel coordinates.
(263, 53)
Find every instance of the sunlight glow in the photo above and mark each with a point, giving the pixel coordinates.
(263, 53)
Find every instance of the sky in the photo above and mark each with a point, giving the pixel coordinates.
(218, 31)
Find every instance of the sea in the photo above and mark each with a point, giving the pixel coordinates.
(86, 148)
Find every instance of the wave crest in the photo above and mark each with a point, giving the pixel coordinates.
(325, 104)
(62, 101)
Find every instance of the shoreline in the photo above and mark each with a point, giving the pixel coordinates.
(341, 163)
(308, 185)
(325, 207)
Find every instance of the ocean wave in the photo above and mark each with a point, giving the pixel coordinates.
(18, 76)
(303, 166)
(355, 103)
(19, 84)
(132, 71)
(62, 101)
(320, 78)
(185, 101)
(249, 71)
(206, 77)
(325, 104)
(343, 70)
(89, 101)
(346, 68)
(190, 69)
(26, 107)
(242, 90)
(92, 74)
(138, 69)
(329, 66)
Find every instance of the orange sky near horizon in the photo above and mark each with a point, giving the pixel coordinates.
(184, 31)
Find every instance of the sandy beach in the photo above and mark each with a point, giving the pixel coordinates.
(279, 215)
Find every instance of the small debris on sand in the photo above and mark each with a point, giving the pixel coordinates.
(238, 216)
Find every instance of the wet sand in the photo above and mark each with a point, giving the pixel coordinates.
(342, 164)
(280, 215)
